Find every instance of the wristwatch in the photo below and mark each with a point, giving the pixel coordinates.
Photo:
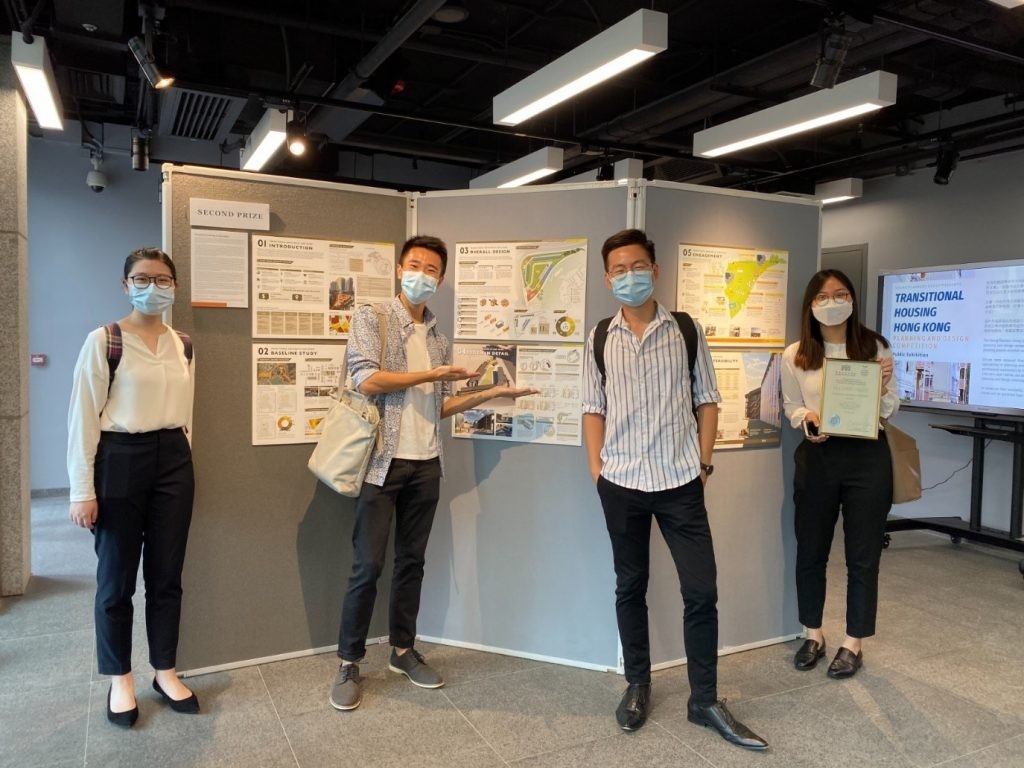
(708, 469)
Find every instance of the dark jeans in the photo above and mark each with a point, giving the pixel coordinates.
(856, 476)
(683, 521)
(409, 497)
(144, 490)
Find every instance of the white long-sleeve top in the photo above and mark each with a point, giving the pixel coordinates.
(801, 390)
(150, 392)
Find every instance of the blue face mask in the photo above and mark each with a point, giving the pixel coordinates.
(418, 287)
(151, 300)
(633, 288)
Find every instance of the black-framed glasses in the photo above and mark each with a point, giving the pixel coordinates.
(839, 297)
(143, 281)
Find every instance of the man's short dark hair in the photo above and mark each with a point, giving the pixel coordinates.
(429, 242)
(627, 237)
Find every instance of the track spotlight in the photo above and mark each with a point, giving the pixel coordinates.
(296, 133)
(140, 150)
(137, 45)
(945, 163)
(834, 45)
(606, 172)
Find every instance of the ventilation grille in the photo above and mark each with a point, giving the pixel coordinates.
(100, 87)
(198, 116)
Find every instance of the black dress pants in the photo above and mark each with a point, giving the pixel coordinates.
(683, 520)
(854, 476)
(144, 491)
(409, 497)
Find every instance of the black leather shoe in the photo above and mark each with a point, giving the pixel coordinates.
(845, 664)
(121, 719)
(717, 716)
(632, 711)
(189, 706)
(810, 653)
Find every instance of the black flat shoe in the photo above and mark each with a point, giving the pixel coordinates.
(632, 711)
(718, 717)
(845, 664)
(121, 719)
(189, 706)
(810, 653)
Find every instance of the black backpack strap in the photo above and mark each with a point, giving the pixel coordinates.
(186, 342)
(114, 349)
(600, 339)
(689, 331)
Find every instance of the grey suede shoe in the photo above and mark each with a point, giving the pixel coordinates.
(345, 694)
(414, 666)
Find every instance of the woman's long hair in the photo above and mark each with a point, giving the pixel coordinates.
(861, 342)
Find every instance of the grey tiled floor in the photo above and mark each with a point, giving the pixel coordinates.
(943, 684)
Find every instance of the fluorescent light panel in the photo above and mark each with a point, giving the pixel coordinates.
(1009, 3)
(621, 46)
(32, 63)
(831, 105)
(839, 190)
(265, 140)
(531, 167)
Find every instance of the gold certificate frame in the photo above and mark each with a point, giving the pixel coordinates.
(851, 398)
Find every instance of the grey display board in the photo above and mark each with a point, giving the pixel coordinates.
(749, 497)
(269, 550)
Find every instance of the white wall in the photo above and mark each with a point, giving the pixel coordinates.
(78, 241)
(911, 221)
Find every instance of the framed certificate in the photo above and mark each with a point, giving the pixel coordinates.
(851, 398)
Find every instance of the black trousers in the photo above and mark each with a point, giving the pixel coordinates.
(855, 476)
(409, 497)
(144, 490)
(683, 520)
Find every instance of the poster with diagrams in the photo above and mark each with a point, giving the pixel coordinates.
(304, 288)
(293, 388)
(554, 415)
(737, 294)
(521, 291)
(750, 383)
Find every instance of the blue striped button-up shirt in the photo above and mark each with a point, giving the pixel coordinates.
(650, 434)
(363, 361)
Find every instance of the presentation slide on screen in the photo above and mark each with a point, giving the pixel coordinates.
(958, 335)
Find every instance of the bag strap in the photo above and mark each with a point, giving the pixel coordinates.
(115, 348)
(186, 342)
(686, 327)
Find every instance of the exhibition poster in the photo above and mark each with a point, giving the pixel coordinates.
(750, 383)
(293, 388)
(737, 294)
(220, 268)
(553, 415)
(304, 288)
(521, 291)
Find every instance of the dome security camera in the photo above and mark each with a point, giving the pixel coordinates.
(96, 179)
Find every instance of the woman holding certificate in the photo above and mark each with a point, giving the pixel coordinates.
(837, 384)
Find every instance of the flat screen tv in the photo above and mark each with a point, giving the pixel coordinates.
(957, 335)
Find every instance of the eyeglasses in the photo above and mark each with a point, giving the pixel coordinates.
(143, 281)
(839, 297)
(639, 269)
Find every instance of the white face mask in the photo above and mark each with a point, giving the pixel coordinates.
(833, 313)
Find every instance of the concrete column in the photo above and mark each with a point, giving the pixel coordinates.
(15, 528)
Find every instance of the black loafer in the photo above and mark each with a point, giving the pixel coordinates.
(810, 653)
(121, 719)
(717, 716)
(632, 711)
(189, 706)
(845, 664)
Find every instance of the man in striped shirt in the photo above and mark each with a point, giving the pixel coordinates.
(649, 430)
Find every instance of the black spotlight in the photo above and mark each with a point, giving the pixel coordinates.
(834, 45)
(945, 163)
(296, 132)
(140, 151)
(606, 172)
(137, 45)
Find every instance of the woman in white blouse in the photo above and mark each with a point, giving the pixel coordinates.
(130, 466)
(834, 473)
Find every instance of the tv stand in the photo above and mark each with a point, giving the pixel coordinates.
(983, 430)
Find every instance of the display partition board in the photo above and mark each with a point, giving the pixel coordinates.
(270, 550)
(749, 497)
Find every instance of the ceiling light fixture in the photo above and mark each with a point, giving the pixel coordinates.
(854, 97)
(265, 139)
(137, 45)
(32, 63)
(1009, 3)
(296, 133)
(839, 190)
(451, 13)
(634, 39)
(946, 162)
(834, 45)
(531, 167)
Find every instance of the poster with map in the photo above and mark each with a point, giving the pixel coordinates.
(521, 291)
(737, 294)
